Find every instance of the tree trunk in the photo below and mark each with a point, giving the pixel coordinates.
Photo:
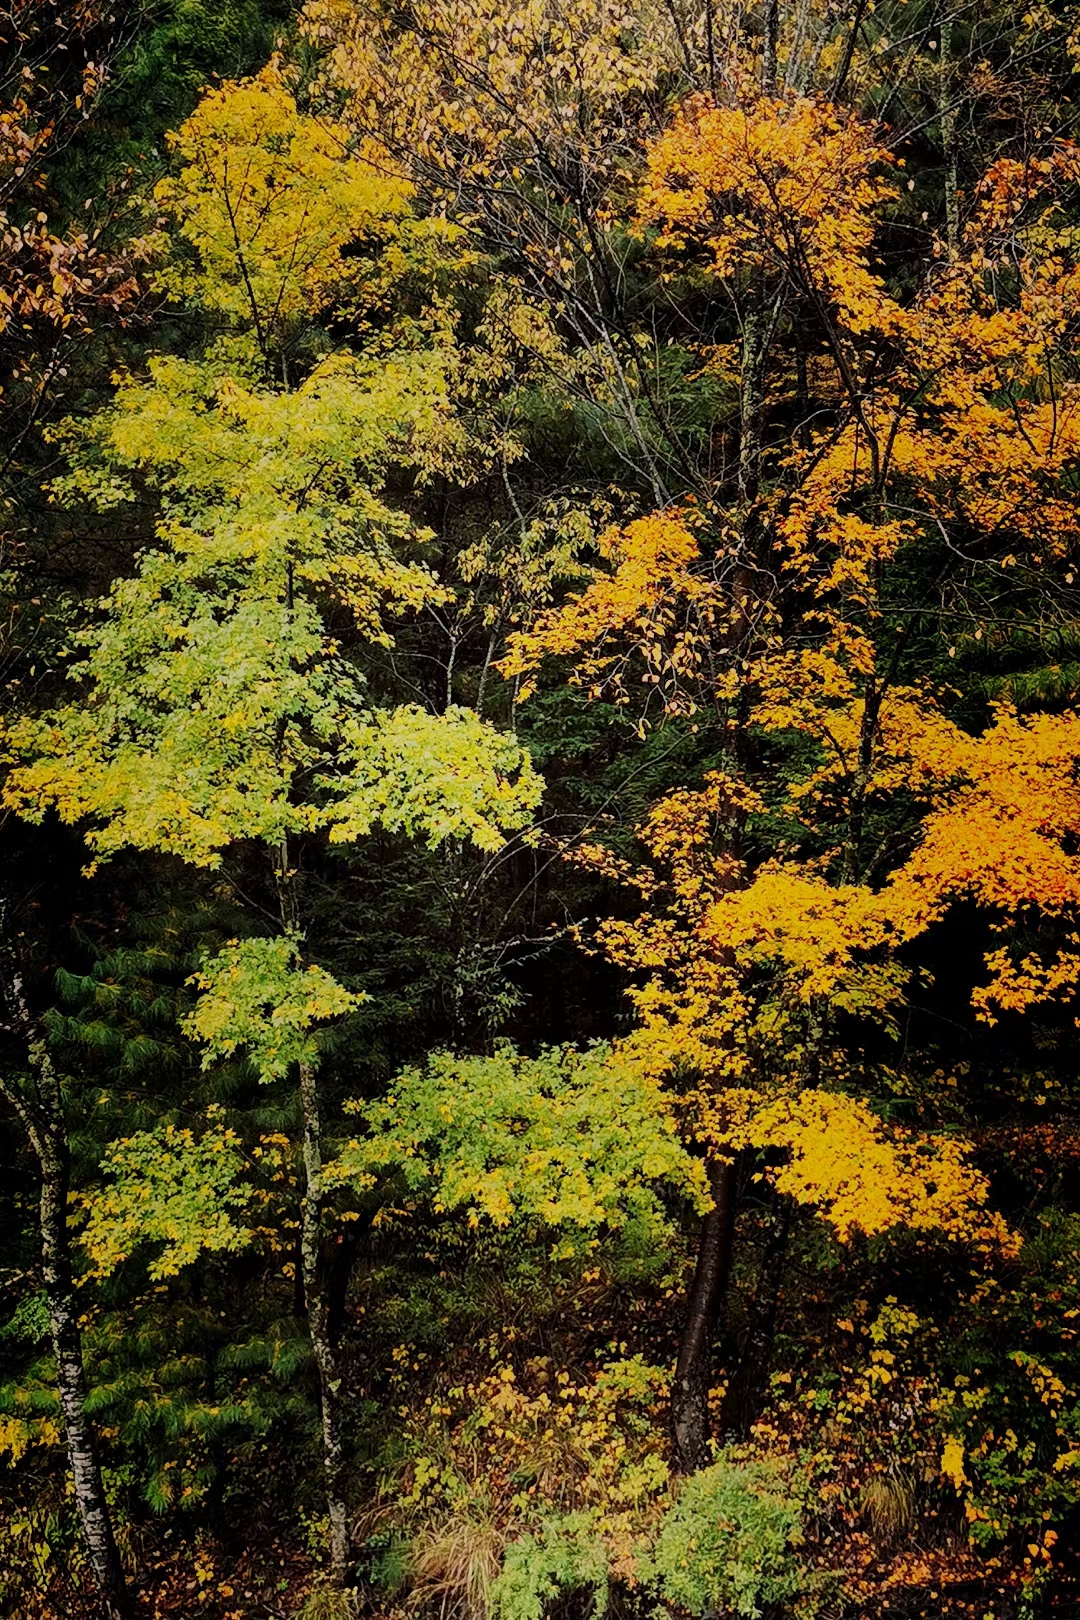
(311, 1271)
(756, 336)
(71, 1377)
(311, 1253)
(40, 1108)
(339, 1271)
(747, 1388)
(693, 1371)
(858, 12)
(770, 48)
(318, 1326)
(947, 107)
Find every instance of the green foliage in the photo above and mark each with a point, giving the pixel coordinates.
(572, 1140)
(194, 1407)
(565, 1557)
(257, 995)
(181, 45)
(168, 1186)
(730, 1541)
(327, 1603)
(387, 1560)
(30, 1321)
(211, 680)
(1011, 1412)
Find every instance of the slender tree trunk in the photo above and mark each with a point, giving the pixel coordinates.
(756, 333)
(90, 1500)
(770, 48)
(805, 72)
(339, 1271)
(693, 1371)
(757, 328)
(311, 1271)
(947, 108)
(802, 399)
(744, 1395)
(40, 1108)
(318, 1326)
(858, 12)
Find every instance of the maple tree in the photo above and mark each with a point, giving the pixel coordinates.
(787, 633)
(215, 688)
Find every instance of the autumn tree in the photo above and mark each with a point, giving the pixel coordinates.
(36, 1096)
(772, 612)
(220, 709)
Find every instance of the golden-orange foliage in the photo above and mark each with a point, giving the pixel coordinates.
(950, 414)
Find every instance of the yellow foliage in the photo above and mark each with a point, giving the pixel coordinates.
(476, 78)
(651, 602)
(952, 1463)
(268, 198)
(812, 927)
(18, 1435)
(732, 959)
(1002, 834)
(863, 1177)
(783, 188)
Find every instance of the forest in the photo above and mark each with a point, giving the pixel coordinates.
(540, 801)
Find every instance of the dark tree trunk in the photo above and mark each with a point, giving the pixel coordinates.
(339, 1272)
(693, 1372)
(857, 14)
(746, 1391)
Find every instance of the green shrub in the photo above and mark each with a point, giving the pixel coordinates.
(729, 1542)
(565, 1556)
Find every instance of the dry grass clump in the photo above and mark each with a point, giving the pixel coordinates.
(453, 1564)
(328, 1603)
(889, 1502)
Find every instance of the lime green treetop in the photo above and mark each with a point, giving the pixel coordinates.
(577, 1141)
(216, 705)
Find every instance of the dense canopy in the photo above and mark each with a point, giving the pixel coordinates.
(540, 769)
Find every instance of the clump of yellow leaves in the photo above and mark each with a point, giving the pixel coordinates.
(172, 1188)
(649, 602)
(779, 187)
(862, 1177)
(267, 199)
